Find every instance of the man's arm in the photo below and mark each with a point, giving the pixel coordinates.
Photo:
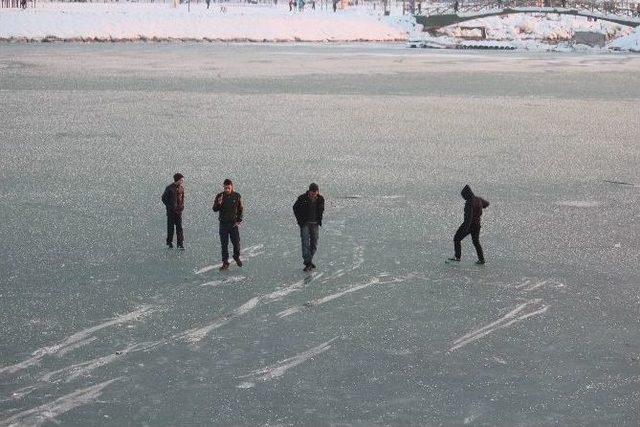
(240, 210)
(468, 215)
(217, 203)
(320, 210)
(296, 209)
(165, 197)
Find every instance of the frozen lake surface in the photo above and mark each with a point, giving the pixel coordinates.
(103, 325)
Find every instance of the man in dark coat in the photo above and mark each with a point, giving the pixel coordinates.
(229, 205)
(173, 199)
(308, 210)
(472, 212)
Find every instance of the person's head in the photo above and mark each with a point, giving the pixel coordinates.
(178, 178)
(227, 185)
(313, 189)
(466, 193)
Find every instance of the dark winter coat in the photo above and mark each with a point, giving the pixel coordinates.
(472, 208)
(302, 209)
(173, 199)
(230, 209)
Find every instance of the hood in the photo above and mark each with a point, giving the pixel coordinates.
(466, 193)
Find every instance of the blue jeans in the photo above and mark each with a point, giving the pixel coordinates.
(229, 231)
(309, 238)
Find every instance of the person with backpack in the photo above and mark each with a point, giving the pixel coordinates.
(471, 225)
(173, 200)
(229, 205)
(308, 210)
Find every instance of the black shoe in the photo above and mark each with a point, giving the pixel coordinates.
(238, 261)
(170, 245)
(480, 262)
(453, 260)
(307, 268)
(181, 247)
(312, 265)
(224, 266)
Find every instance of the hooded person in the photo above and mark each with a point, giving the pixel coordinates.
(473, 207)
(308, 210)
(229, 205)
(173, 200)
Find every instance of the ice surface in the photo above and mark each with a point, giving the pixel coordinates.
(103, 325)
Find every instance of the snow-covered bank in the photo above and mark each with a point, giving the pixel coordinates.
(234, 22)
(275, 23)
(630, 43)
(539, 32)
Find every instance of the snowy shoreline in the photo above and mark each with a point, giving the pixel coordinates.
(243, 23)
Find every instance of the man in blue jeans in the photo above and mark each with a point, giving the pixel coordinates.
(229, 205)
(308, 210)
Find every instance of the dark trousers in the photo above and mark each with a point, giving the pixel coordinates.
(174, 220)
(309, 238)
(474, 230)
(229, 231)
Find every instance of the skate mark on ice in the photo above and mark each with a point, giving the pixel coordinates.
(532, 284)
(358, 260)
(19, 394)
(521, 312)
(579, 203)
(373, 281)
(232, 279)
(75, 371)
(358, 257)
(47, 413)
(197, 334)
(250, 252)
(76, 346)
(335, 275)
(550, 283)
(278, 369)
(78, 339)
(619, 183)
(499, 360)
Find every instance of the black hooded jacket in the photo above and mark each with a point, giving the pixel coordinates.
(302, 209)
(472, 208)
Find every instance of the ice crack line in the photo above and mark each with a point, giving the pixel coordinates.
(197, 334)
(77, 340)
(521, 312)
(278, 369)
